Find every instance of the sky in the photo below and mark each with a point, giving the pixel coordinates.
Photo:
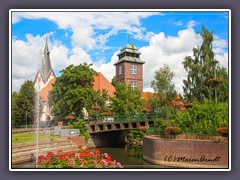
(74, 37)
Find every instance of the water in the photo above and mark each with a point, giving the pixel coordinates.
(129, 157)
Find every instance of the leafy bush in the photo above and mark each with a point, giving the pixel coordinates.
(135, 135)
(172, 129)
(202, 119)
(82, 126)
(158, 127)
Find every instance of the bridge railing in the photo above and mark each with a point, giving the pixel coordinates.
(130, 118)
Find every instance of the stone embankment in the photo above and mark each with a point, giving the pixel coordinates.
(25, 153)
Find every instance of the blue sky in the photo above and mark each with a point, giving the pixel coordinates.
(164, 37)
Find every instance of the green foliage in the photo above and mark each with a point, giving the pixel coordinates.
(127, 101)
(114, 81)
(135, 135)
(202, 119)
(82, 126)
(200, 69)
(23, 104)
(163, 85)
(73, 91)
(100, 99)
(158, 128)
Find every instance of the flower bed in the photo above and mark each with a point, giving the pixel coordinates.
(85, 158)
(172, 130)
(223, 131)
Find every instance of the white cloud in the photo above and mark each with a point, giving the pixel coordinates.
(178, 23)
(192, 23)
(223, 59)
(219, 44)
(84, 24)
(108, 69)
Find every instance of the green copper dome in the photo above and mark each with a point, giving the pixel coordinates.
(129, 53)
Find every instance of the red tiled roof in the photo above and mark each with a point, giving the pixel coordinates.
(100, 83)
(45, 91)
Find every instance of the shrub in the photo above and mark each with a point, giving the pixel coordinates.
(172, 129)
(82, 126)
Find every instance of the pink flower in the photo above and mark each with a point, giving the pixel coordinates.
(104, 162)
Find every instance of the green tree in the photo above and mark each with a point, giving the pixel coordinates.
(163, 85)
(100, 97)
(200, 68)
(14, 107)
(23, 104)
(114, 81)
(73, 91)
(127, 101)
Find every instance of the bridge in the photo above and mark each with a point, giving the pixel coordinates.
(99, 127)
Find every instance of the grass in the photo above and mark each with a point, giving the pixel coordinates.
(21, 139)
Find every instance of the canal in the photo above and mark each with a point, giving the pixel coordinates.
(129, 157)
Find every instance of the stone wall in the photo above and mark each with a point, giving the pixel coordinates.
(188, 153)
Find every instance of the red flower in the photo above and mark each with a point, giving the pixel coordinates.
(71, 154)
(50, 153)
(97, 152)
(79, 146)
(41, 157)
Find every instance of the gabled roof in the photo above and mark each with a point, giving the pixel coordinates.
(100, 83)
(45, 91)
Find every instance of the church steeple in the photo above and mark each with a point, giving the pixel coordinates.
(46, 63)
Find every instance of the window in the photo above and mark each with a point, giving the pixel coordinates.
(133, 69)
(120, 70)
(134, 85)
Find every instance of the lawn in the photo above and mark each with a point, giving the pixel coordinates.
(20, 139)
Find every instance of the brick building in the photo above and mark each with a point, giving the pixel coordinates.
(129, 68)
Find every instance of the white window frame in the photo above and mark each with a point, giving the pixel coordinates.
(133, 69)
(120, 70)
(134, 84)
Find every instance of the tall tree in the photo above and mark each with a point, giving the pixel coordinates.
(73, 91)
(114, 81)
(127, 101)
(163, 85)
(14, 108)
(23, 104)
(200, 68)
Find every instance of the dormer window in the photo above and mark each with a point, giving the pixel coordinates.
(133, 69)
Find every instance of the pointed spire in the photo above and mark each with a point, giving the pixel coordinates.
(46, 63)
(128, 39)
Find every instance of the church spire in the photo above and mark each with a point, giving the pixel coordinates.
(46, 63)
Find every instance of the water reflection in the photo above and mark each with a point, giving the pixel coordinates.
(129, 157)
